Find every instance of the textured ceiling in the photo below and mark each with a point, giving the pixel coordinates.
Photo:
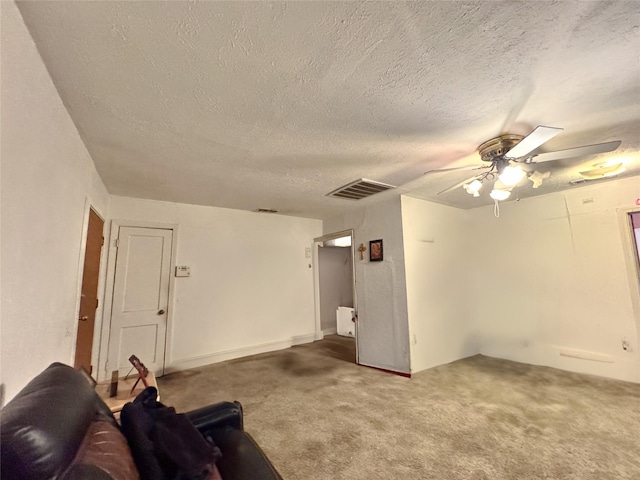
(273, 105)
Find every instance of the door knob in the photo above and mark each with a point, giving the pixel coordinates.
(160, 312)
(84, 318)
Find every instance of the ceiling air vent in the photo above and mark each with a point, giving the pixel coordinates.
(266, 210)
(360, 189)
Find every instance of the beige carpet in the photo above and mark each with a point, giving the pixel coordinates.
(319, 416)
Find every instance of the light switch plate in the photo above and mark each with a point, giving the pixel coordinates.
(183, 271)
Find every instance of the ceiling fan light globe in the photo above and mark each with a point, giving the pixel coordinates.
(473, 188)
(538, 177)
(511, 176)
(497, 194)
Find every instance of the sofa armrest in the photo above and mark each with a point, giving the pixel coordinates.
(219, 415)
(242, 458)
(45, 423)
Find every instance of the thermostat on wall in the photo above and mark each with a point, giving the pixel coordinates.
(183, 271)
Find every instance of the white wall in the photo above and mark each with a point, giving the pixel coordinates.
(438, 253)
(47, 176)
(383, 329)
(550, 281)
(336, 283)
(251, 287)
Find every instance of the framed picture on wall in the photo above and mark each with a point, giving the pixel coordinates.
(375, 251)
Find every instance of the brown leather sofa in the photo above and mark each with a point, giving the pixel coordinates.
(57, 427)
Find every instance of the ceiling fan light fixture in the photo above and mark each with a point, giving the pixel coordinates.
(511, 176)
(503, 155)
(473, 188)
(498, 194)
(538, 177)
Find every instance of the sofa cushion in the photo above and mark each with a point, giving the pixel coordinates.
(104, 450)
(42, 427)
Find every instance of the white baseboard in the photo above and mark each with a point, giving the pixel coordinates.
(301, 339)
(201, 360)
(620, 367)
(330, 331)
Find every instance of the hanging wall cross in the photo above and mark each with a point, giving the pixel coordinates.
(362, 249)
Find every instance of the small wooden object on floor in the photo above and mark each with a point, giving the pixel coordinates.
(128, 390)
(113, 387)
(142, 371)
(117, 393)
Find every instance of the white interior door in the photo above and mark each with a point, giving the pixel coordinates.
(140, 298)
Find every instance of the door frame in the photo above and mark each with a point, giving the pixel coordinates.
(114, 230)
(632, 262)
(97, 328)
(316, 281)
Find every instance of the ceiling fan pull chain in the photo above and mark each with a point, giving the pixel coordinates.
(496, 209)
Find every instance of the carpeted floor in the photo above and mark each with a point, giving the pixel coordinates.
(317, 415)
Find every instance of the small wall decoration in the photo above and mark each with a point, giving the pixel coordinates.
(362, 249)
(375, 250)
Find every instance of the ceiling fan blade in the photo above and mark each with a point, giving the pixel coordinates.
(528, 144)
(416, 182)
(459, 184)
(576, 152)
(458, 169)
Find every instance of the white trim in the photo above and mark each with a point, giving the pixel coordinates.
(584, 355)
(333, 236)
(316, 290)
(102, 373)
(632, 263)
(330, 331)
(201, 360)
(111, 249)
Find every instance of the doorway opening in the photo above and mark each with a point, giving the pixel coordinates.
(335, 294)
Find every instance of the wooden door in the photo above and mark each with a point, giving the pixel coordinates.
(140, 298)
(89, 292)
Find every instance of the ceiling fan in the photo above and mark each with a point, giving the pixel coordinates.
(503, 154)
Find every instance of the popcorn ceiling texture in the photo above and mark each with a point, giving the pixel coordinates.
(273, 105)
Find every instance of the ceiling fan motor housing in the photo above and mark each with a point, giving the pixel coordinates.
(494, 149)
